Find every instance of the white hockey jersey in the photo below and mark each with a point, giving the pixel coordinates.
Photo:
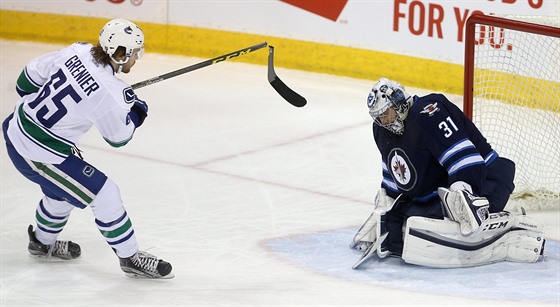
(74, 94)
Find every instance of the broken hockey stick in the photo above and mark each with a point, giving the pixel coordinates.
(287, 93)
(187, 69)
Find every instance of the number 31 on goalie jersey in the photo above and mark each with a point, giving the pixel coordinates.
(448, 126)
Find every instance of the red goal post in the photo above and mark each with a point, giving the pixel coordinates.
(512, 94)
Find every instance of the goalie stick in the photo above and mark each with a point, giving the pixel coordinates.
(287, 93)
(372, 250)
(187, 69)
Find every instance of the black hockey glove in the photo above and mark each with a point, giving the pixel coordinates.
(138, 112)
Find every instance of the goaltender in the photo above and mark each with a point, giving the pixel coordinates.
(444, 189)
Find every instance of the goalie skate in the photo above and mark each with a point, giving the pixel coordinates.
(145, 265)
(65, 250)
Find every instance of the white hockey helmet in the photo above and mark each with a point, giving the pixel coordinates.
(121, 33)
(387, 94)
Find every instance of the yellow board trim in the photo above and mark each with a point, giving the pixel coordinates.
(517, 90)
(206, 43)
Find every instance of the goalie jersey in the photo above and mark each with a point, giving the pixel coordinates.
(439, 146)
(64, 94)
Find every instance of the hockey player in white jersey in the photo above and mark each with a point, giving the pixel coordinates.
(63, 95)
(444, 188)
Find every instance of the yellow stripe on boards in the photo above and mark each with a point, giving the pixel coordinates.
(517, 90)
(206, 43)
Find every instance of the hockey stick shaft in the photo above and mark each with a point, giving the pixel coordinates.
(187, 69)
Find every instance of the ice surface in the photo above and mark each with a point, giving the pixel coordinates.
(252, 200)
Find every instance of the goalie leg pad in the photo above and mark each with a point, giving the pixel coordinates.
(440, 244)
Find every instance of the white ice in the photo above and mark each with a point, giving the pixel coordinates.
(252, 200)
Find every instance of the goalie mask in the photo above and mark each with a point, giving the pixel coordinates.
(121, 33)
(387, 94)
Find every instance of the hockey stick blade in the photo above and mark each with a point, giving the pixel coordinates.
(287, 93)
(372, 250)
(187, 69)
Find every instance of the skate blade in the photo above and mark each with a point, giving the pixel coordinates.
(47, 258)
(142, 276)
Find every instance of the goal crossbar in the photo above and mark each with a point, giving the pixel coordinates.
(497, 22)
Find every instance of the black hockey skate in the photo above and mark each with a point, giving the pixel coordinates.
(60, 249)
(145, 265)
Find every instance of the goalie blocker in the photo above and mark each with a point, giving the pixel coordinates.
(504, 237)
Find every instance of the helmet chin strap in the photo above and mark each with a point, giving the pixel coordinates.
(120, 63)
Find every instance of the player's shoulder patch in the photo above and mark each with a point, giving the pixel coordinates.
(430, 109)
(129, 95)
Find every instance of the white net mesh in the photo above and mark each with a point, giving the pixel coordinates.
(516, 104)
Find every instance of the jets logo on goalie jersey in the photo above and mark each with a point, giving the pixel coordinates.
(402, 170)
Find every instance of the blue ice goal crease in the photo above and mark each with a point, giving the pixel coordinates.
(329, 253)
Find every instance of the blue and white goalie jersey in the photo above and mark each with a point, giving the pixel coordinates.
(439, 146)
(65, 93)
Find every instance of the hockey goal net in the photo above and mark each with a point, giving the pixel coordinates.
(512, 94)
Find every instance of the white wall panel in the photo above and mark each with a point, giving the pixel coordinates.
(429, 29)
